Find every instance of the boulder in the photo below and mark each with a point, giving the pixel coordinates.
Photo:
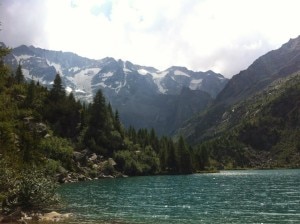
(78, 156)
(112, 162)
(54, 217)
(81, 177)
(86, 152)
(93, 157)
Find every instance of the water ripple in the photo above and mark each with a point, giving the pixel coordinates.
(228, 197)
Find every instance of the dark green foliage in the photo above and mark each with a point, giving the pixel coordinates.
(31, 94)
(261, 131)
(259, 136)
(57, 92)
(58, 149)
(139, 162)
(19, 75)
(100, 125)
(29, 190)
(171, 161)
(184, 157)
(200, 158)
(62, 112)
(117, 123)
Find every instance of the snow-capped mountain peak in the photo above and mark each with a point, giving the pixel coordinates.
(142, 94)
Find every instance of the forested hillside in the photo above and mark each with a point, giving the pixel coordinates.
(254, 120)
(261, 132)
(274, 65)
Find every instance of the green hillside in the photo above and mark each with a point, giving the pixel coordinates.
(261, 132)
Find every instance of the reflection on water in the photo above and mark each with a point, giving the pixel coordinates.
(256, 196)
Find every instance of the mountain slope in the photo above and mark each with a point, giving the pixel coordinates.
(265, 70)
(143, 95)
(271, 66)
(261, 132)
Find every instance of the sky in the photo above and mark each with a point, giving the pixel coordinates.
(225, 36)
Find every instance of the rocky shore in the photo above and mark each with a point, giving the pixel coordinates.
(85, 166)
(24, 218)
(88, 166)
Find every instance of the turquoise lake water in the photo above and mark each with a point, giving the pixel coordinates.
(260, 196)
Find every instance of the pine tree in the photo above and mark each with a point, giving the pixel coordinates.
(184, 157)
(154, 140)
(57, 92)
(30, 94)
(117, 123)
(19, 75)
(98, 131)
(132, 135)
(171, 157)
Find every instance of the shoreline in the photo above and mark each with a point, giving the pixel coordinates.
(23, 218)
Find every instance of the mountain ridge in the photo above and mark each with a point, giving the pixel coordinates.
(265, 70)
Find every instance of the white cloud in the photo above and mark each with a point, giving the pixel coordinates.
(224, 36)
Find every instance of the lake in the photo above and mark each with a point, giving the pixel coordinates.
(255, 196)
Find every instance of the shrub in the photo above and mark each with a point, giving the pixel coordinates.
(142, 162)
(58, 149)
(30, 190)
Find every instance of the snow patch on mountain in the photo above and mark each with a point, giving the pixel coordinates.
(180, 73)
(159, 75)
(107, 75)
(68, 89)
(101, 84)
(74, 69)
(83, 79)
(195, 84)
(20, 58)
(56, 66)
(79, 91)
(161, 88)
(143, 72)
(26, 73)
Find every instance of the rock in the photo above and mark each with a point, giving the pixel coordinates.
(47, 135)
(61, 178)
(95, 166)
(61, 169)
(85, 152)
(54, 217)
(78, 156)
(112, 162)
(120, 175)
(25, 217)
(28, 119)
(41, 128)
(93, 157)
(81, 177)
(20, 97)
(106, 176)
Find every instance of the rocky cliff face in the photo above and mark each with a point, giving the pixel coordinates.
(144, 96)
